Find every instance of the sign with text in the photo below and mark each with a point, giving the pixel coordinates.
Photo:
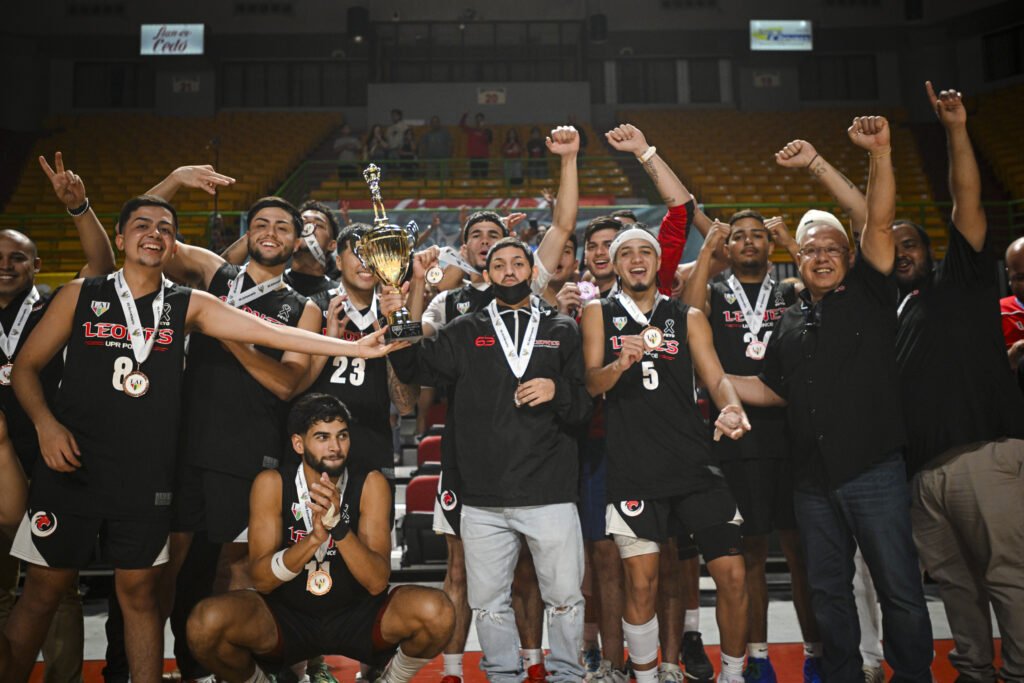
(171, 39)
(767, 79)
(490, 96)
(780, 35)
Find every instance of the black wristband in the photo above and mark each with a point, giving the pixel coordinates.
(812, 161)
(339, 531)
(81, 209)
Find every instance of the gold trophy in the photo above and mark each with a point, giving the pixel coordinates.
(386, 250)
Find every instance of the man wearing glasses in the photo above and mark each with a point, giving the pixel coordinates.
(832, 362)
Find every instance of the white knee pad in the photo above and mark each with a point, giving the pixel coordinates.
(642, 641)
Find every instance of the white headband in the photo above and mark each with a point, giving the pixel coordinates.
(633, 234)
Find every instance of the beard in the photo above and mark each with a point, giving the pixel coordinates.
(640, 286)
(270, 262)
(320, 467)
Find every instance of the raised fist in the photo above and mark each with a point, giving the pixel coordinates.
(948, 106)
(563, 140)
(627, 138)
(796, 154)
(870, 133)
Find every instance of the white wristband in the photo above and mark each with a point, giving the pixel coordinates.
(646, 156)
(331, 518)
(280, 569)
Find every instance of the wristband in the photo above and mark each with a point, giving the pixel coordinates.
(646, 156)
(812, 161)
(81, 209)
(339, 531)
(280, 570)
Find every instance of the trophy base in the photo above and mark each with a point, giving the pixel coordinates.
(411, 332)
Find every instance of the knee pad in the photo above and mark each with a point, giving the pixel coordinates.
(642, 640)
(720, 540)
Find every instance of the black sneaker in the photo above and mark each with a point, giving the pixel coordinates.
(696, 665)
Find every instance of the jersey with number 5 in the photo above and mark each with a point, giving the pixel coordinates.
(128, 444)
(657, 443)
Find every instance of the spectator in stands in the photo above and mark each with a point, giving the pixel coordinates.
(965, 421)
(408, 153)
(478, 145)
(436, 146)
(375, 147)
(1013, 306)
(512, 152)
(395, 134)
(348, 147)
(537, 167)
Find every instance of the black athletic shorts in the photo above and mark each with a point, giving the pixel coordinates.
(448, 504)
(353, 632)
(68, 541)
(763, 489)
(214, 502)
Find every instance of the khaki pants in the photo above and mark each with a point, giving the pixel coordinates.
(63, 647)
(968, 517)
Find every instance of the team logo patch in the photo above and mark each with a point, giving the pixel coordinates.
(462, 307)
(43, 524)
(730, 298)
(484, 341)
(297, 511)
(100, 307)
(619, 321)
(165, 317)
(448, 500)
(631, 508)
(285, 312)
(670, 328)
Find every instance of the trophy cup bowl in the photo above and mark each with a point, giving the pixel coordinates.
(386, 251)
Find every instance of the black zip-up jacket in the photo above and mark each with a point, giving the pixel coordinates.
(507, 456)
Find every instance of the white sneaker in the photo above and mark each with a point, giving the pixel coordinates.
(723, 678)
(670, 673)
(606, 673)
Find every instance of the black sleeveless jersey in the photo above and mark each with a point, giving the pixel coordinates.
(128, 445)
(657, 443)
(767, 438)
(233, 423)
(362, 385)
(308, 285)
(345, 590)
(19, 426)
(466, 299)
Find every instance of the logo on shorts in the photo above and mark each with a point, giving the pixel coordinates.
(100, 307)
(448, 500)
(462, 307)
(43, 524)
(631, 508)
(619, 321)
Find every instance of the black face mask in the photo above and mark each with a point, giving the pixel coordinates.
(511, 294)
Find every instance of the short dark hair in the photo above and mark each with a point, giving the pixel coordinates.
(309, 409)
(600, 223)
(624, 213)
(921, 232)
(575, 241)
(509, 242)
(135, 203)
(482, 217)
(278, 203)
(746, 213)
(350, 234)
(314, 205)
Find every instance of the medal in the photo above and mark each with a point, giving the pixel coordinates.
(588, 290)
(5, 374)
(236, 297)
(135, 384)
(450, 257)
(652, 337)
(435, 275)
(319, 582)
(308, 229)
(515, 394)
(516, 361)
(756, 349)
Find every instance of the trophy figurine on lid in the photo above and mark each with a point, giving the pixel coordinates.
(386, 250)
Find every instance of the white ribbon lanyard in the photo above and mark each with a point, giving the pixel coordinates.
(363, 321)
(141, 347)
(9, 340)
(450, 257)
(906, 300)
(307, 515)
(634, 310)
(517, 361)
(237, 297)
(753, 318)
(314, 249)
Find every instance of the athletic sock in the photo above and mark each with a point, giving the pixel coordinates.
(732, 667)
(532, 657)
(402, 667)
(642, 641)
(812, 649)
(691, 620)
(453, 664)
(258, 677)
(757, 650)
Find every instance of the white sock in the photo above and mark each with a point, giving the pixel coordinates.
(757, 650)
(732, 667)
(532, 657)
(812, 650)
(649, 676)
(402, 667)
(258, 677)
(691, 620)
(453, 664)
(642, 641)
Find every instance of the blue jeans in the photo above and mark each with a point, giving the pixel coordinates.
(491, 539)
(872, 511)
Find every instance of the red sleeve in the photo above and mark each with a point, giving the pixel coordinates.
(672, 238)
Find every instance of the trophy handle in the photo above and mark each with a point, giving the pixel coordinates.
(411, 232)
(357, 248)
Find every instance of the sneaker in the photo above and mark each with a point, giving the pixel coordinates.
(318, 672)
(537, 674)
(873, 674)
(696, 665)
(812, 670)
(591, 661)
(606, 673)
(171, 676)
(759, 670)
(669, 673)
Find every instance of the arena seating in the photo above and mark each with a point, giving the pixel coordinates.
(421, 543)
(996, 128)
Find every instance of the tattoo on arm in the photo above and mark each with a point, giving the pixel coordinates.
(819, 170)
(402, 395)
(651, 171)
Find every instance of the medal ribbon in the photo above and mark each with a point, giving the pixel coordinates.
(634, 310)
(307, 515)
(362, 320)
(753, 318)
(9, 340)
(906, 300)
(315, 250)
(141, 347)
(450, 257)
(517, 361)
(237, 297)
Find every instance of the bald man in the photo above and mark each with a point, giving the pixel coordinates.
(1012, 307)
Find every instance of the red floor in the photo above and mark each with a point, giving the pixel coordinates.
(787, 659)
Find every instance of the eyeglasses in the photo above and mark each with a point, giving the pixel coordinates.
(829, 252)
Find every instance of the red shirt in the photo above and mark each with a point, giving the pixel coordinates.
(672, 238)
(478, 141)
(1013, 319)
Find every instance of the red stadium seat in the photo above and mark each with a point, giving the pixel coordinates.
(420, 493)
(436, 414)
(420, 543)
(429, 450)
